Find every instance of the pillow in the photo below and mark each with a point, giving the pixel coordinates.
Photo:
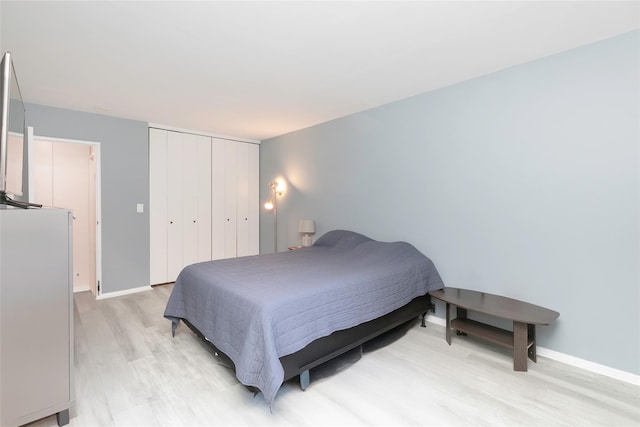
(341, 239)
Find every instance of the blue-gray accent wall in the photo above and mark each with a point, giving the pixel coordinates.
(124, 153)
(525, 183)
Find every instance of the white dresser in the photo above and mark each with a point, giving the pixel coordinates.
(36, 315)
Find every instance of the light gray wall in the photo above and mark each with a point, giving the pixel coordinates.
(523, 183)
(125, 182)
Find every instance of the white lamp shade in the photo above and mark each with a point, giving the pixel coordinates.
(307, 226)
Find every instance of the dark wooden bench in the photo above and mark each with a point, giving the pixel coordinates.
(525, 317)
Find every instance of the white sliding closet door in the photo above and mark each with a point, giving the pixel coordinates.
(204, 199)
(158, 216)
(218, 185)
(235, 199)
(224, 191)
(247, 201)
(180, 205)
(71, 190)
(230, 198)
(175, 198)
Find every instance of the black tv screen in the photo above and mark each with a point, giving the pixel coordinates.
(12, 118)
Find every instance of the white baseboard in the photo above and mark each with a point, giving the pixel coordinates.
(125, 292)
(617, 374)
(437, 320)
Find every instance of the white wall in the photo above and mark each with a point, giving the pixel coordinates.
(523, 183)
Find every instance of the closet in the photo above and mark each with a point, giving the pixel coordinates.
(235, 188)
(203, 200)
(64, 175)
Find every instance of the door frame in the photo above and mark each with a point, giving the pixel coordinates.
(98, 192)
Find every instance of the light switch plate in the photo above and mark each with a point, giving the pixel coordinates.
(140, 208)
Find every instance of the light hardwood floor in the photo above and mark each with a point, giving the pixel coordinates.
(131, 372)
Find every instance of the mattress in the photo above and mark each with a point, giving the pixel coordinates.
(259, 308)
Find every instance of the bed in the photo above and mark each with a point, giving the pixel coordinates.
(275, 316)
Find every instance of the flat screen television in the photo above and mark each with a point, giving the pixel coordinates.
(12, 115)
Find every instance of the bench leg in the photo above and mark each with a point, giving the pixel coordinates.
(532, 337)
(520, 341)
(461, 313)
(448, 323)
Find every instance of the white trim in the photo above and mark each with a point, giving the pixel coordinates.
(67, 140)
(197, 132)
(597, 368)
(617, 374)
(104, 295)
(98, 224)
(432, 318)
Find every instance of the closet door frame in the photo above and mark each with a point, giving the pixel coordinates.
(95, 215)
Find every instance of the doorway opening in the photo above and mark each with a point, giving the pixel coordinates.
(66, 174)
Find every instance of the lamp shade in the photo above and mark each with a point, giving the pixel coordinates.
(307, 226)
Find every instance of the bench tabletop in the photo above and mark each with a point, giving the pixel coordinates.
(495, 305)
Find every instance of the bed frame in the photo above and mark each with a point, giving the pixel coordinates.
(326, 348)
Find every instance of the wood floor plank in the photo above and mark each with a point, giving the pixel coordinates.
(130, 371)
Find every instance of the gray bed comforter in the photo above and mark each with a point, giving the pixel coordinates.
(257, 309)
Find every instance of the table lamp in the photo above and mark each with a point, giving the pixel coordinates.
(306, 227)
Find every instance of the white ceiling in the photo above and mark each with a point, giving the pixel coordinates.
(261, 69)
